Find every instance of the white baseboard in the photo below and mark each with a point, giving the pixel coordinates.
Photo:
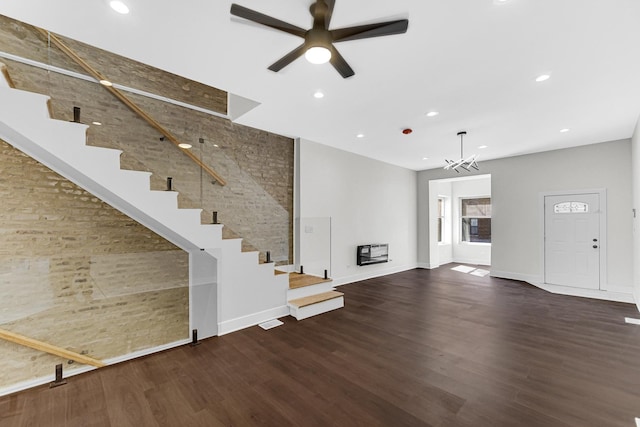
(618, 294)
(425, 265)
(146, 352)
(253, 319)
(24, 385)
(587, 293)
(529, 278)
(370, 275)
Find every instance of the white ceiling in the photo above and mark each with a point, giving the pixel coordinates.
(474, 61)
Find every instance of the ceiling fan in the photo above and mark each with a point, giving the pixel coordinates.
(318, 42)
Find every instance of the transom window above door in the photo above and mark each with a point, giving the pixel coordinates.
(571, 207)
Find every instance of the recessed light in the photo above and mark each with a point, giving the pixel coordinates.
(318, 94)
(97, 123)
(184, 145)
(106, 83)
(565, 130)
(119, 7)
(432, 113)
(500, 1)
(542, 78)
(482, 147)
(425, 158)
(360, 135)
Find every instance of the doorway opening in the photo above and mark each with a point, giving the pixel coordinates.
(460, 220)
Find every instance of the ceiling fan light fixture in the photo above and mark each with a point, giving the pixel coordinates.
(318, 55)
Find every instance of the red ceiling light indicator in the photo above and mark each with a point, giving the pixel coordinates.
(407, 131)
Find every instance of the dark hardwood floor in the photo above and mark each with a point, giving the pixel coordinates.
(419, 348)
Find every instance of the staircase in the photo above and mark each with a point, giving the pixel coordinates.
(231, 290)
(311, 295)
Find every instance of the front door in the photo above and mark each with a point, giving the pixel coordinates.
(572, 240)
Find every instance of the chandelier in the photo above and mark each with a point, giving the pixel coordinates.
(467, 164)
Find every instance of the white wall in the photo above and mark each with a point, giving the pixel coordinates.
(445, 249)
(368, 201)
(635, 161)
(516, 185)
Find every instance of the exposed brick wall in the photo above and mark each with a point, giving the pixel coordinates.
(257, 202)
(76, 273)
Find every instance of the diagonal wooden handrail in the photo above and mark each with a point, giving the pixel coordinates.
(126, 101)
(5, 73)
(48, 348)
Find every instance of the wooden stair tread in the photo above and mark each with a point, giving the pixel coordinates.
(276, 272)
(297, 280)
(314, 299)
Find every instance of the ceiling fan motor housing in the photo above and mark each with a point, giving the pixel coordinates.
(318, 37)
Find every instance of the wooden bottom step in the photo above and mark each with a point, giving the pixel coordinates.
(301, 308)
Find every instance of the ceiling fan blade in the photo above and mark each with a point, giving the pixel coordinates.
(266, 20)
(340, 64)
(327, 18)
(288, 58)
(371, 30)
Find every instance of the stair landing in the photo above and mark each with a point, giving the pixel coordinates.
(298, 280)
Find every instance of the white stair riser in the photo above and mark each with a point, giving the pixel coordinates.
(31, 103)
(318, 308)
(69, 136)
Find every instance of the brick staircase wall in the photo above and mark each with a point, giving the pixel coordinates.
(257, 203)
(77, 273)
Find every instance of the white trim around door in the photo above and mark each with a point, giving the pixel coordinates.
(603, 230)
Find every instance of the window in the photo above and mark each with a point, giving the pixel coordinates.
(440, 219)
(476, 220)
(571, 207)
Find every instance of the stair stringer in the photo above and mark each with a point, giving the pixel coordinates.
(247, 292)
